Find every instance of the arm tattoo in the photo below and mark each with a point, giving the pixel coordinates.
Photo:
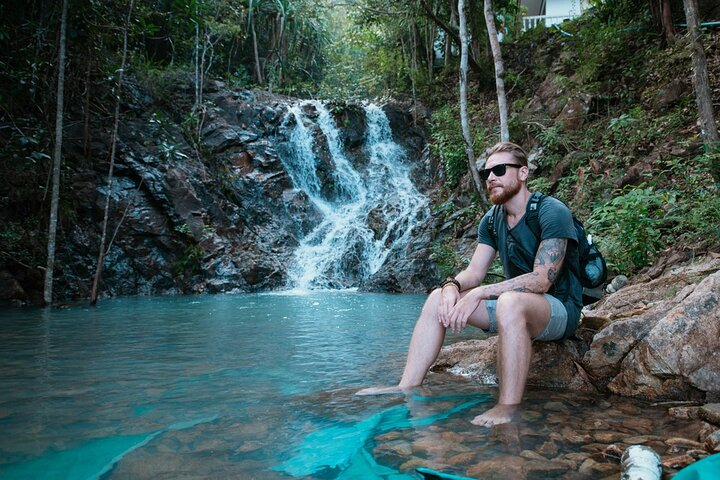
(517, 287)
(550, 256)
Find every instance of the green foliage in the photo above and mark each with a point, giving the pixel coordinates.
(555, 140)
(184, 229)
(190, 261)
(11, 242)
(539, 184)
(169, 150)
(448, 142)
(609, 57)
(698, 208)
(620, 11)
(699, 219)
(19, 242)
(446, 258)
(630, 227)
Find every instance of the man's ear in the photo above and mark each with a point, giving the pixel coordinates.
(524, 174)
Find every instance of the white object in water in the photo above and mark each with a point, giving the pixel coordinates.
(640, 463)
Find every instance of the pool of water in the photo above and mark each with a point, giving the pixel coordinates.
(262, 386)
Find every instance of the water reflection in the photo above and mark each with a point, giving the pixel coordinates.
(239, 386)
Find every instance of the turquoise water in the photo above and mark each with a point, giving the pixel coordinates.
(262, 386)
(199, 387)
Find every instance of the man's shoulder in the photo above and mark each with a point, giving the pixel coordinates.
(548, 202)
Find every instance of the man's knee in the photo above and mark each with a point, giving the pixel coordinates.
(431, 303)
(512, 309)
(512, 302)
(433, 299)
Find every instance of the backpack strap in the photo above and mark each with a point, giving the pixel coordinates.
(531, 216)
(491, 223)
(533, 212)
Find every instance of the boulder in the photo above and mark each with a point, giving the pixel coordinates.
(710, 413)
(679, 356)
(611, 345)
(572, 116)
(477, 359)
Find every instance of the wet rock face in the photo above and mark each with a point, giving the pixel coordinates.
(655, 339)
(222, 217)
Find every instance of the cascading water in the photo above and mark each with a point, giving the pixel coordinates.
(367, 213)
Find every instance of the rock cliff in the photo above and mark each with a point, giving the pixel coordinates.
(203, 203)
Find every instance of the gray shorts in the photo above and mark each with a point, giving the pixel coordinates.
(554, 330)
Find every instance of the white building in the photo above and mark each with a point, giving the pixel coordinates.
(551, 12)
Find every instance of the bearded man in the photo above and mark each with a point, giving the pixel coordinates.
(540, 298)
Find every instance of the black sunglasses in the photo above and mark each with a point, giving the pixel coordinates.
(498, 170)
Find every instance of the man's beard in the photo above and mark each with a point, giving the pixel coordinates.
(506, 192)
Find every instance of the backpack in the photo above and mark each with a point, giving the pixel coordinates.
(593, 270)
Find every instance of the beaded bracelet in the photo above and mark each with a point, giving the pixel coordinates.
(450, 280)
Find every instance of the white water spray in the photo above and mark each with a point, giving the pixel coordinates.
(372, 211)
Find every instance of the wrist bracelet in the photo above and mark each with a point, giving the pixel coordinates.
(450, 280)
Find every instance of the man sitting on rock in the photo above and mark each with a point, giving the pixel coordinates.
(540, 299)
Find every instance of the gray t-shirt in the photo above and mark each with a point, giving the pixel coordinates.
(517, 248)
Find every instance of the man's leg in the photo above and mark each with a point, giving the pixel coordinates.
(520, 317)
(425, 344)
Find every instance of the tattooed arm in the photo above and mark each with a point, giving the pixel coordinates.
(548, 263)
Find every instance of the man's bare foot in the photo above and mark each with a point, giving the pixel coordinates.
(496, 415)
(380, 390)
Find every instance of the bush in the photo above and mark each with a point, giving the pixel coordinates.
(446, 258)
(448, 142)
(629, 227)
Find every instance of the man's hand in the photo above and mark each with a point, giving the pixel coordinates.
(448, 298)
(459, 314)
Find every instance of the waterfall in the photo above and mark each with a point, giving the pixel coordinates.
(367, 210)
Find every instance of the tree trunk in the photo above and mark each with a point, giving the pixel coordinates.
(106, 213)
(463, 101)
(703, 95)
(86, 108)
(281, 39)
(197, 65)
(55, 196)
(448, 42)
(450, 32)
(499, 71)
(413, 71)
(667, 23)
(258, 68)
(430, 35)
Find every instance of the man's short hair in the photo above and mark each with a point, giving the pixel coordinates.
(516, 150)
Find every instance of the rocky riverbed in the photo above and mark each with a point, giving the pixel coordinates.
(571, 436)
(558, 434)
